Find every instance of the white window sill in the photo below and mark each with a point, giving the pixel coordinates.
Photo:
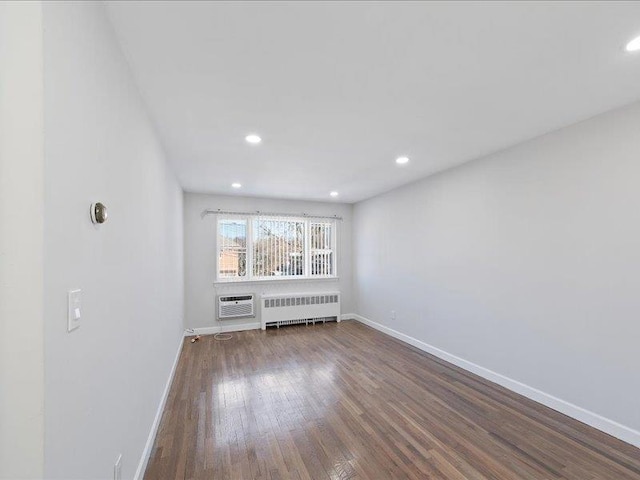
(275, 280)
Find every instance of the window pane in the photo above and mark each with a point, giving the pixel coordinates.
(278, 247)
(321, 249)
(232, 241)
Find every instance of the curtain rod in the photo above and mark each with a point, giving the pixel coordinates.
(268, 214)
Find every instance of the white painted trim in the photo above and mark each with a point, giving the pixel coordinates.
(348, 316)
(146, 453)
(604, 424)
(222, 329)
(274, 280)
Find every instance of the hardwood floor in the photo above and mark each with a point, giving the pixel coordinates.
(341, 401)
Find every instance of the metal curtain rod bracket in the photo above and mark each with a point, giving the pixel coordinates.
(269, 214)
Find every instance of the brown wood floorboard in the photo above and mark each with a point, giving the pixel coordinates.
(344, 401)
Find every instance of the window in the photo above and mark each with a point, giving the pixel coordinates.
(257, 247)
(232, 242)
(321, 248)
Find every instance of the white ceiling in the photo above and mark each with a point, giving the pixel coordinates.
(338, 90)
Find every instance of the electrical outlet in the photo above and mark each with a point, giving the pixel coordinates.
(117, 468)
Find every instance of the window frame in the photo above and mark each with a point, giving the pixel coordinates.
(250, 277)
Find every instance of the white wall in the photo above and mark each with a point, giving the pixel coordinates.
(200, 255)
(525, 263)
(21, 240)
(103, 381)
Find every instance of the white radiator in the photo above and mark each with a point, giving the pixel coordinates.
(293, 308)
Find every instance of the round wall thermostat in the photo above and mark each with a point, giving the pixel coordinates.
(98, 213)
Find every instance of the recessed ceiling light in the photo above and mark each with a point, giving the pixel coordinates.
(633, 45)
(236, 185)
(402, 160)
(253, 139)
(334, 194)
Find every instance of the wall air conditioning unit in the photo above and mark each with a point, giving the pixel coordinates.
(296, 308)
(235, 306)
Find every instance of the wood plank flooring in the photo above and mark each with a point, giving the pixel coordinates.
(342, 401)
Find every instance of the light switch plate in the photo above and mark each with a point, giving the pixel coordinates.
(74, 310)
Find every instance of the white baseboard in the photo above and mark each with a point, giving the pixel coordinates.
(604, 424)
(146, 453)
(222, 329)
(348, 316)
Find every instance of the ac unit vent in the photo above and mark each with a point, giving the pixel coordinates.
(238, 298)
(235, 306)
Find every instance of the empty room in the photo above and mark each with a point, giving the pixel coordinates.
(319, 240)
